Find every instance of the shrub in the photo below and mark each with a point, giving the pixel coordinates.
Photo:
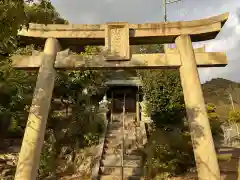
(234, 116)
(172, 152)
(214, 120)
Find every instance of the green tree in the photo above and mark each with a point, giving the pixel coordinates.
(234, 116)
(214, 120)
(16, 86)
(12, 83)
(12, 18)
(172, 152)
(163, 92)
(74, 129)
(79, 91)
(43, 12)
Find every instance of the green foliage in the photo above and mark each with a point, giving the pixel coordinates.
(214, 120)
(48, 154)
(80, 91)
(234, 116)
(11, 19)
(91, 139)
(172, 152)
(163, 93)
(147, 48)
(42, 12)
(15, 86)
(75, 129)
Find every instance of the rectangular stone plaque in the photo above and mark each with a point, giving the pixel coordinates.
(117, 41)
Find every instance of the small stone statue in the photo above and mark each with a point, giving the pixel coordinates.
(104, 104)
(104, 107)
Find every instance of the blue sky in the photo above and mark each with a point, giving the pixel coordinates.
(140, 11)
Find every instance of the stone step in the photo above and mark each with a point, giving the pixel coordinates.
(231, 165)
(193, 176)
(228, 152)
(118, 145)
(132, 157)
(130, 139)
(120, 118)
(127, 140)
(111, 150)
(114, 129)
(112, 135)
(133, 151)
(113, 139)
(118, 154)
(112, 158)
(115, 145)
(115, 160)
(117, 171)
(130, 127)
(114, 132)
(132, 163)
(118, 129)
(120, 121)
(127, 135)
(111, 177)
(227, 148)
(130, 145)
(115, 125)
(229, 176)
(115, 154)
(130, 133)
(117, 119)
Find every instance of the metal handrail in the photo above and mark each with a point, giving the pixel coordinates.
(123, 123)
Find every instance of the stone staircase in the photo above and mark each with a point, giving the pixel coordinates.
(121, 159)
(229, 162)
(7, 165)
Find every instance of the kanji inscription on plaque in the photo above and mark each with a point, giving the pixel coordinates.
(117, 41)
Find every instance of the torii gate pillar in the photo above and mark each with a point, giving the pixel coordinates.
(29, 156)
(203, 145)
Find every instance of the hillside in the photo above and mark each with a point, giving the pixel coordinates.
(217, 91)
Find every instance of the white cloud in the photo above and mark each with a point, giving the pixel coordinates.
(109, 1)
(228, 41)
(88, 18)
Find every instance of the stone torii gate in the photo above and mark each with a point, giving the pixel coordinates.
(117, 38)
